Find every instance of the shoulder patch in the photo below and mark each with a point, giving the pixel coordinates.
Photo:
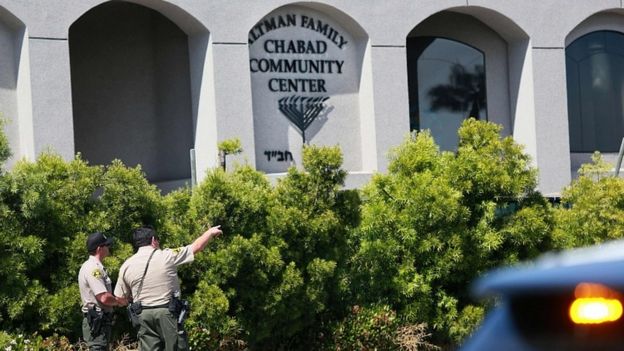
(177, 250)
(96, 273)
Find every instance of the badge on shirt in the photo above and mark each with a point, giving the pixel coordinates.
(177, 250)
(96, 273)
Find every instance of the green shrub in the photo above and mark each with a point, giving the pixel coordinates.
(127, 201)
(276, 270)
(366, 328)
(178, 227)
(21, 342)
(47, 208)
(377, 327)
(438, 220)
(592, 208)
(44, 206)
(296, 256)
(5, 150)
(239, 201)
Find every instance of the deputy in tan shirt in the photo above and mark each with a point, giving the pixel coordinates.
(96, 294)
(158, 328)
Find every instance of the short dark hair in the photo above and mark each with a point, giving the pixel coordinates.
(143, 236)
(97, 239)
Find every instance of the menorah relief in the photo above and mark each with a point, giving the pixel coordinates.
(302, 111)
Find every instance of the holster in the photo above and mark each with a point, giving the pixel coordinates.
(134, 310)
(180, 309)
(95, 319)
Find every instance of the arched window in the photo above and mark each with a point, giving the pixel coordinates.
(446, 86)
(595, 78)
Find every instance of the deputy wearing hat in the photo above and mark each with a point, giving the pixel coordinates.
(96, 294)
(150, 280)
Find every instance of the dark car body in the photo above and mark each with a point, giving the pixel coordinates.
(532, 312)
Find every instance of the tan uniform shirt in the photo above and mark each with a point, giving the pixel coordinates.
(161, 279)
(92, 281)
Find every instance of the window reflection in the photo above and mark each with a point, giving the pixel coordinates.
(595, 74)
(446, 86)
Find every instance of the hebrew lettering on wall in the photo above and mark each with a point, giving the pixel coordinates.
(278, 156)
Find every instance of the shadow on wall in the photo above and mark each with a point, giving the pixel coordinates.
(12, 69)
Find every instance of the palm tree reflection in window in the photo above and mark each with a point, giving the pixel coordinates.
(446, 86)
(464, 89)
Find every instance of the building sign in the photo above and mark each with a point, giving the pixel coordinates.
(305, 71)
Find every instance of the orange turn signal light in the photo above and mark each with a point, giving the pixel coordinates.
(595, 310)
(595, 304)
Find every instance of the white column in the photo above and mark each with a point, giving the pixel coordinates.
(551, 119)
(522, 97)
(391, 99)
(203, 99)
(51, 96)
(233, 101)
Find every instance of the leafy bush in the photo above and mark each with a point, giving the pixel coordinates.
(274, 275)
(43, 208)
(592, 208)
(297, 256)
(228, 147)
(438, 220)
(20, 342)
(207, 339)
(47, 208)
(366, 328)
(377, 327)
(5, 150)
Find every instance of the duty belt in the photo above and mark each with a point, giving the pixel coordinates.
(105, 314)
(153, 307)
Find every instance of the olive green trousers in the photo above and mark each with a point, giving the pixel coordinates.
(159, 331)
(97, 342)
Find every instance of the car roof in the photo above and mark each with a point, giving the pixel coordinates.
(602, 264)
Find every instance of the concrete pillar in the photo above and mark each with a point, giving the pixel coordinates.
(368, 131)
(391, 99)
(522, 97)
(203, 100)
(51, 96)
(551, 125)
(234, 113)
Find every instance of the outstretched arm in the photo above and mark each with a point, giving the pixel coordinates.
(200, 243)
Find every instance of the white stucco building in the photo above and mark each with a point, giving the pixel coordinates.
(148, 80)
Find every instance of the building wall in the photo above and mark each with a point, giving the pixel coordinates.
(8, 84)
(532, 92)
(12, 81)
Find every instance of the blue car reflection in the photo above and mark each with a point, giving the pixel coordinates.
(566, 301)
